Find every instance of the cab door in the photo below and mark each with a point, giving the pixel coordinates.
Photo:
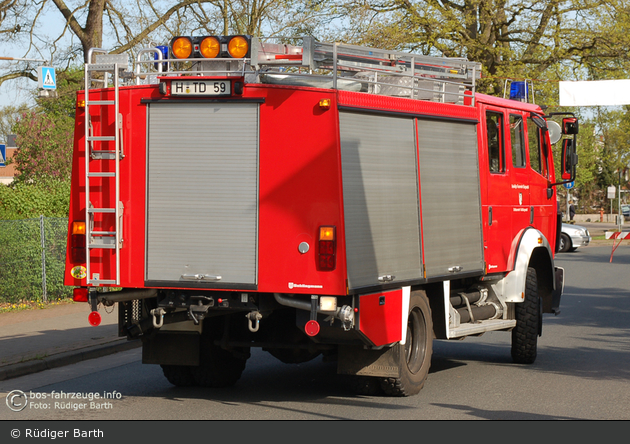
(497, 210)
(542, 211)
(520, 176)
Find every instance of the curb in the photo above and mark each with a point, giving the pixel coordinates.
(66, 358)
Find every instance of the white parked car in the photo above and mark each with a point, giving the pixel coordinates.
(573, 236)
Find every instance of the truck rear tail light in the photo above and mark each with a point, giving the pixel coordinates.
(182, 47)
(78, 252)
(210, 47)
(80, 295)
(326, 257)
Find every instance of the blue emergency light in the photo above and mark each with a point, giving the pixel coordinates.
(519, 91)
(164, 51)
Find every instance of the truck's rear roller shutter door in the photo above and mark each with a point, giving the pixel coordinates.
(451, 202)
(380, 192)
(202, 193)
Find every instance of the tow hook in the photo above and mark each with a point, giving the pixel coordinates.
(158, 317)
(254, 318)
(346, 316)
(198, 311)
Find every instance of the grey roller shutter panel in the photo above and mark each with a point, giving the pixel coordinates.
(202, 193)
(380, 193)
(451, 201)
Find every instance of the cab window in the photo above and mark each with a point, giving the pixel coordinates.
(533, 136)
(494, 135)
(517, 137)
(538, 149)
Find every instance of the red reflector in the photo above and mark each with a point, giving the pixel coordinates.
(311, 328)
(80, 295)
(94, 318)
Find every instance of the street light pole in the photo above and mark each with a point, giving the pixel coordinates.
(20, 59)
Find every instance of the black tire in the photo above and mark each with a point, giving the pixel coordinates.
(565, 243)
(528, 322)
(218, 368)
(415, 355)
(179, 375)
(367, 385)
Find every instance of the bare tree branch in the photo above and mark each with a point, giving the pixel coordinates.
(16, 75)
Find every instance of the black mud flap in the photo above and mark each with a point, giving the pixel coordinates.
(173, 348)
(557, 292)
(355, 360)
(558, 231)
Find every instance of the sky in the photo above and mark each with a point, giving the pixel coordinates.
(15, 92)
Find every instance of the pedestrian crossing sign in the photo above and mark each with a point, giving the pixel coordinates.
(3, 155)
(47, 78)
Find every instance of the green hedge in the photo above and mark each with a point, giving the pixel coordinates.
(27, 200)
(21, 259)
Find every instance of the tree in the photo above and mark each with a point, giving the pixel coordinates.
(135, 24)
(548, 39)
(9, 115)
(44, 134)
(44, 147)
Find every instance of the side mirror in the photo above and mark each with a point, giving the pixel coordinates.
(568, 159)
(539, 121)
(570, 125)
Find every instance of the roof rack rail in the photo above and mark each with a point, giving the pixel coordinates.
(331, 65)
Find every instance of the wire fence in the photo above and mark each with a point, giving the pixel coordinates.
(32, 259)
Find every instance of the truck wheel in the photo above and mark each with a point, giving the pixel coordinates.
(415, 355)
(528, 322)
(565, 243)
(219, 368)
(179, 375)
(367, 385)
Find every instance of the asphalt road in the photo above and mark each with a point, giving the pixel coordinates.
(582, 373)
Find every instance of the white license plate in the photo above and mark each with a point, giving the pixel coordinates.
(200, 87)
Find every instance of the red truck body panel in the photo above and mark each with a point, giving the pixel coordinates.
(300, 184)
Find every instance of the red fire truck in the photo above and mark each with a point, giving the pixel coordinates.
(314, 199)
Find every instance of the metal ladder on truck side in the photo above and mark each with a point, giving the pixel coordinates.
(106, 64)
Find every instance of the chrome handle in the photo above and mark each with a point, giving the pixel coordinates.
(386, 278)
(455, 269)
(200, 277)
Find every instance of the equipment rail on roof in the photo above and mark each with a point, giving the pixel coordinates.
(328, 65)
